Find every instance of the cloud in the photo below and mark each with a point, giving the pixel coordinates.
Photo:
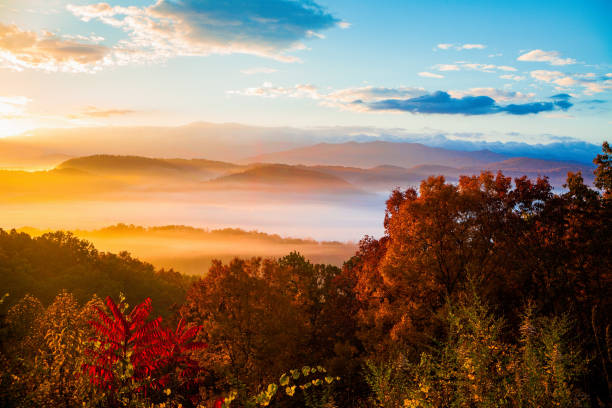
(494, 93)
(20, 49)
(473, 47)
(512, 77)
(430, 75)
(267, 90)
(258, 70)
(414, 100)
(459, 65)
(546, 76)
(441, 102)
(95, 112)
(591, 83)
(487, 67)
(266, 28)
(562, 96)
(527, 108)
(460, 47)
(342, 98)
(552, 57)
(447, 67)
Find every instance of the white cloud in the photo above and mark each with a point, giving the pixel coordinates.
(430, 75)
(447, 67)
(21, 49)
(473, 47)
(546, 76)
(267, 90)
(343, 99)
(565, 81)
(596, 87)
(497, 94)
(590, 83)
(459, 65)
(311, 33)
(512, 77)
(459, 47)
(167, 28)
(552, 57)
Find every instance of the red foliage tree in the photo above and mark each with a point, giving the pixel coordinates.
(134, 354)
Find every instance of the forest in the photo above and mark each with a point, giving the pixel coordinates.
(485, 292)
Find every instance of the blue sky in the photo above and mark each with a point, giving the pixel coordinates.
(531, 72)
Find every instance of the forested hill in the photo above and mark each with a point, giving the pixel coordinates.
(45, 265)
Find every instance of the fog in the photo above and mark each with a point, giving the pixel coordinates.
(318, 217)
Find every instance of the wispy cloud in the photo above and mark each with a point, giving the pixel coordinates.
(464, 65)
(447, 67)
(95, 112)
(512, 77)
(494, 93)
(589, 82)
(551, 57)
(430, 75)
(21, 49)
(266, 28)
(459, 47)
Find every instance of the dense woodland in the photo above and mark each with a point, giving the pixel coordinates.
(489, 292)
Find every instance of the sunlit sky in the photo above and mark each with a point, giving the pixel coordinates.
(521, 67)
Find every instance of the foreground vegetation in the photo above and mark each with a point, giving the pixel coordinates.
(487, 293)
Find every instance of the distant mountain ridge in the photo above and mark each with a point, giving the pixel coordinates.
(379, 153)
(44, 148)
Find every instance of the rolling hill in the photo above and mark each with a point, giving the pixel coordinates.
(289, 177)
(119, 176)
(142, 167)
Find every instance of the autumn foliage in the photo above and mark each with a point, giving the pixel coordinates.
(133, 354)
(489, 292)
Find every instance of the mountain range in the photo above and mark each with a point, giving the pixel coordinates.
(230, 142)
(315, 170)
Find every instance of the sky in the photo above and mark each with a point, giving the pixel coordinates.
(520, 71)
